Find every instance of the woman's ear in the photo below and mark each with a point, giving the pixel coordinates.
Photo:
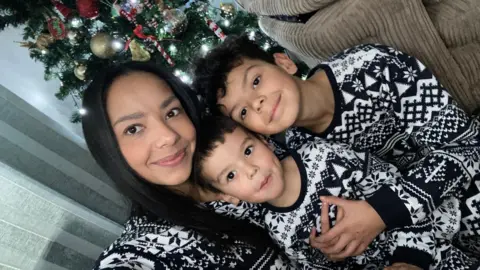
(230, 199)
(282, 60)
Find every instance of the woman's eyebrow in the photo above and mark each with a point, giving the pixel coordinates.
(168, 101)
(132, 116)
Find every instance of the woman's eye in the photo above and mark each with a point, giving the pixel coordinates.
(230, 176)
(256, 82)
(243, 113)
(173, 113)
(248, 151)
(132, 130)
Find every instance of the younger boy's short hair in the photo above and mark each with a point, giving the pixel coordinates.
(212, 131)
(211, 71)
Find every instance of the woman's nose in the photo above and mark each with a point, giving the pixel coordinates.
(164, 135)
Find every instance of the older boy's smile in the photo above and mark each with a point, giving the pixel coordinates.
(275, 107)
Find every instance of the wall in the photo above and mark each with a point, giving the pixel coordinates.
(58, 210)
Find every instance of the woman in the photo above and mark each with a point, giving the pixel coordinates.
(141, 128)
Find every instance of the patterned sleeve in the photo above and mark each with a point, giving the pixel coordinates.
(413, 244)
(436, 144)
(148, 244)
(359, 175)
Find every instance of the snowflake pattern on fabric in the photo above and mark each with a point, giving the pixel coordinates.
(330, 169)
(390, 104)
(152, 244)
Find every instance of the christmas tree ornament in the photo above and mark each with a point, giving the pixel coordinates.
(175, 21)
(138, 32)
(88, 8)
(80, 71)
(74, 36)
(228, 10)
(115, 11)
(75, 22)
(118, 43)
(101, 45)
(216, 29)
(43, 41)
(56, 28)
(138, 52)
(132, 7)
(160, 4)
(61, 9)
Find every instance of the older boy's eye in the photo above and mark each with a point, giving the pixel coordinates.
(248, 151)
(243, 113)
(230, 176)
(256, 82)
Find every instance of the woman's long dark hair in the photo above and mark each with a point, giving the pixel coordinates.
(155, 199)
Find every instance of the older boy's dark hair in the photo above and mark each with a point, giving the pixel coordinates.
(211, 71)
(212, 132)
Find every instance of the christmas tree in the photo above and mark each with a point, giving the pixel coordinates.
(76, 39)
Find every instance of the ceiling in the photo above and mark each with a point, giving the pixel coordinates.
(24, 77)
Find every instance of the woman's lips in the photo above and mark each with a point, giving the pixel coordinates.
(275, 107)
(172, 160)
(266, 181)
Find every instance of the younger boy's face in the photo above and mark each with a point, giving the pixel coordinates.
(245, 168)
(261, 96)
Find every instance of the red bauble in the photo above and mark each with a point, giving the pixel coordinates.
(61, 8)
(88, 8)
(56, 28)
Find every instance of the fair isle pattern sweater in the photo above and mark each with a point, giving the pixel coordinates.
(331, 169)
(390, 104)
(148, 243)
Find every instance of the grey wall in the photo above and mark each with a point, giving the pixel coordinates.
(58, 209)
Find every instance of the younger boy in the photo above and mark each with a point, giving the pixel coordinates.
(372, 97)
(232, 160)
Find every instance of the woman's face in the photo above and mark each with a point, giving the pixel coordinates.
(155, 134)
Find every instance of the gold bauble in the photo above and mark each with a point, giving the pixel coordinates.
(80, 71)
(138, 52)
(101, 45)
(228, 10)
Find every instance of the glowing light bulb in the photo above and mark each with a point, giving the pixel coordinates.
(117, 45)
(185, 78)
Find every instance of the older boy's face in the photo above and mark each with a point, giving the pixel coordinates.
(261, 96)
(244, 167)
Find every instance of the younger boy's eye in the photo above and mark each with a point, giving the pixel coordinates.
(231, 175)
(248, 151)
(256, 82)
(243, 113)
